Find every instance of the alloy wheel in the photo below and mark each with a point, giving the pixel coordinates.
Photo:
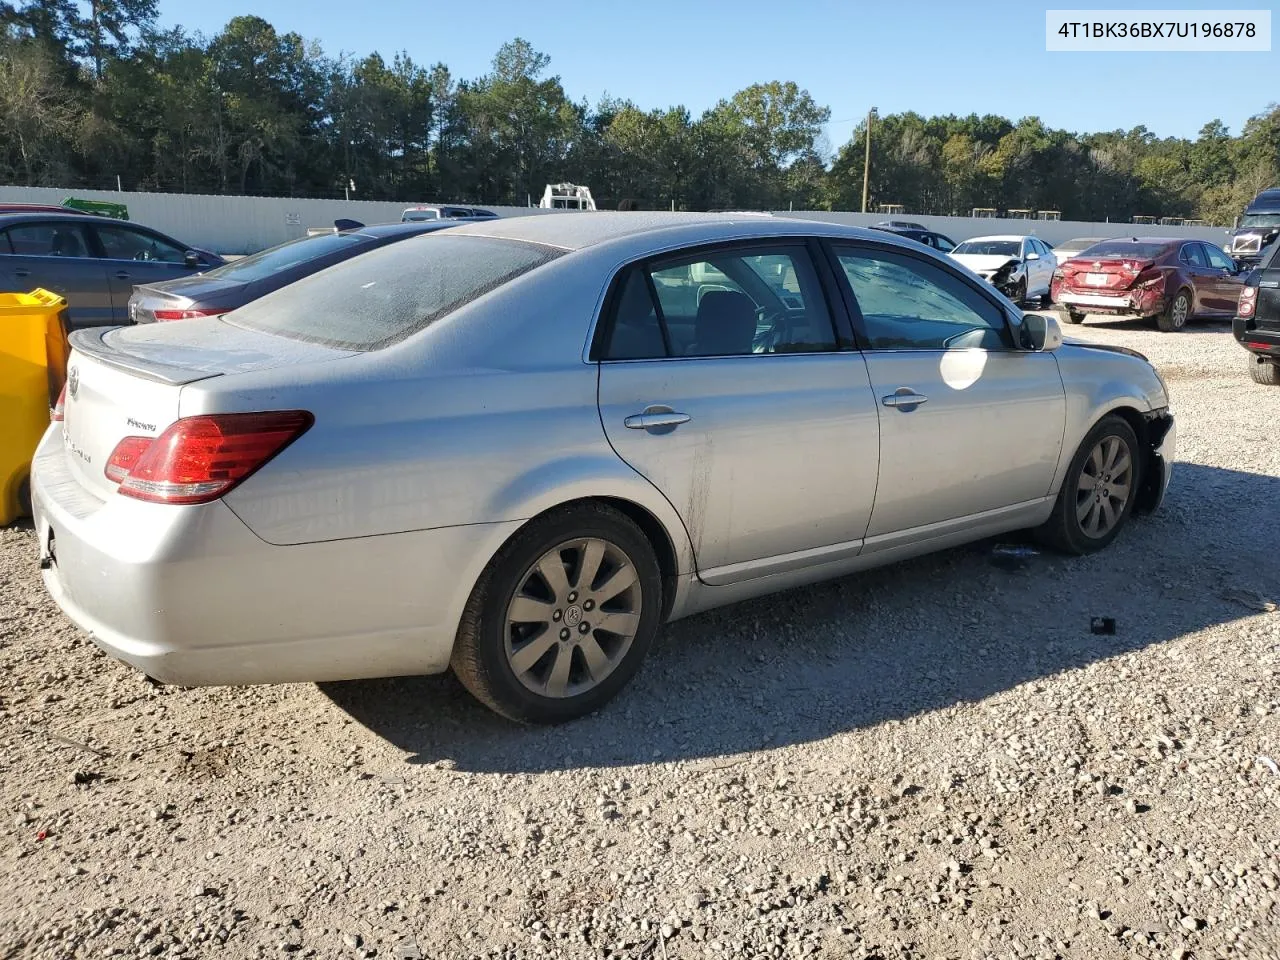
(573, 617)
(1104, 488)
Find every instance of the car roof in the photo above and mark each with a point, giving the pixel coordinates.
(418, 226)
(1001, 236)
(577, 230)
(1159, 240)
(49, 215)
(1067, 243)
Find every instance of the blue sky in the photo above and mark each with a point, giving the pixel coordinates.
(931, 56)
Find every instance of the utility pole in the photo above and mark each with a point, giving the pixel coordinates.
(866, 163)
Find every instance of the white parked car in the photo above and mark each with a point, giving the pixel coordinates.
(1019, 267)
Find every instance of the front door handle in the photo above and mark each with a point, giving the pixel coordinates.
(656, 419)
(122, 274)
(22, 272)
(905, 399)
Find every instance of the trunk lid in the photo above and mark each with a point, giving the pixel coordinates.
(127, 381)
(1102, 274)
(177, 295)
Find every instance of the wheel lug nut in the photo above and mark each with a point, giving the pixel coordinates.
(583, 627)
(573, 597)
(564, 634)
(556, 615)
(588, 605)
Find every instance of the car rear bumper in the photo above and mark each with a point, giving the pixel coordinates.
(1133, 303)
(1265, 343)
(190, 595)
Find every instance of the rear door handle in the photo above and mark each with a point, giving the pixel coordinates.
(122, 274)
(22, 272)
(659, 420)
(905, 399)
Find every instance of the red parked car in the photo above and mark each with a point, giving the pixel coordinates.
(1170, 280)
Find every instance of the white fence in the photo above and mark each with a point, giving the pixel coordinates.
(248, 224)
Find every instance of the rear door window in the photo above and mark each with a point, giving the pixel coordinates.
(50, 240)
(732, 302)
(1193, 254)
(388, 294)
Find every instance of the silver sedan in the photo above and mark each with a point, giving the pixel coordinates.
(518, 448)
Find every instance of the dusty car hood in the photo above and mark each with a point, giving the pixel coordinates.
(1108, 347)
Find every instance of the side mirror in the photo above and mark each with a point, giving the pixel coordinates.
(191, 259)
(1041, 332)
(1033, 256)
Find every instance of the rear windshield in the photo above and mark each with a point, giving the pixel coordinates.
(416, 216)
(390, 293)
(998, 248)
(1128, 248)
(285, 256)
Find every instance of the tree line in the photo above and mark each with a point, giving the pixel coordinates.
(95, 90)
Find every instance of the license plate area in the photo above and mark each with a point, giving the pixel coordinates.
(1095, 279)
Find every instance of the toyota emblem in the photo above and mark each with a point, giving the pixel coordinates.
(73, 381)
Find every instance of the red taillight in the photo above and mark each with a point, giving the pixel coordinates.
(1248, 302)
(163, 315)
(59, 410)
(125, 457)
(1259, 346)
(199, 459)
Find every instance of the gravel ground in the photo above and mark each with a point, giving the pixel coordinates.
(934, 760)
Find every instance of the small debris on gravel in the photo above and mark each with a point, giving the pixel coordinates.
(930, 760)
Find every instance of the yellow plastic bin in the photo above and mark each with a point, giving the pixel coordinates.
(33, 367)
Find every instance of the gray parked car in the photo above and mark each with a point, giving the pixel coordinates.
(236, 283)
(92, 261)
(517, 448)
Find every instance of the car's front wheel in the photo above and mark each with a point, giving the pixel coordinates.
(1075, 316)
(1264, 370)
(562, 617)
(1098, 492)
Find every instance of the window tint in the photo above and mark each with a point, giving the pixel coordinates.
(942, 243)
(636, 334)
(728, 303)
(49, 240)
(1217, 258)
(1112, 249)
(121, 243)
(1193, 254)
(286, 256)
(5, 245)
(390, 293)
(910, 304)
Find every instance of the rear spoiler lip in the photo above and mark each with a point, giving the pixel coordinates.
(89, 342)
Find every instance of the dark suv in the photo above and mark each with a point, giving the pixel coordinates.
(917, 232)
(1257, 229)
(1257, 321)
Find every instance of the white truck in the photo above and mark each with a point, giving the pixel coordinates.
(566, 196)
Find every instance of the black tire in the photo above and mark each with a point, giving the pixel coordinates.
(1064, 530)
(1167, 321)
(480, 656)
(1046, 300)
(1074, 316)
(1264, 370)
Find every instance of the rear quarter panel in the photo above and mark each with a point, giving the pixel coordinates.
(488, 415)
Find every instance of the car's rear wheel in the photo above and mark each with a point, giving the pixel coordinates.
(1176, 314)
(1098, 492)
(1075, 316)
(1264, 370)
(562, 617)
